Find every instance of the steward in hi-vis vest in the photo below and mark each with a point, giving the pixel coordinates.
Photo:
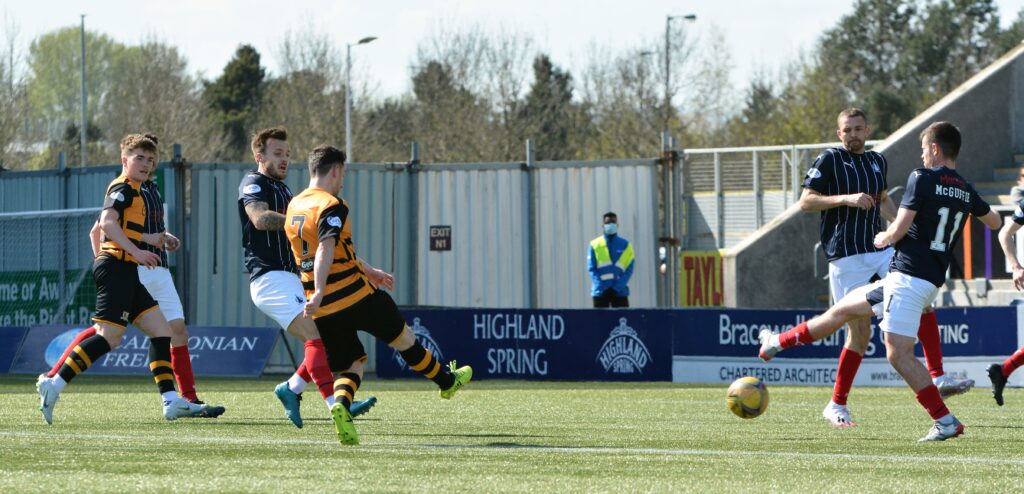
(610, 263)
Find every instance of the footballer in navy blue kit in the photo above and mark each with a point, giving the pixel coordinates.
(274, 283)
(931, 218)
(999, 374)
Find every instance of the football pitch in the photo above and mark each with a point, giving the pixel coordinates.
(109, 435)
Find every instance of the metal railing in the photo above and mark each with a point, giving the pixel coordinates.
(749, 186)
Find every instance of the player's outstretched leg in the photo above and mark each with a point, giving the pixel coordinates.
(931, 346)
(423, 361)
(361, 407)
(291, 401)
(343, 424)
(175, 407)
(995, 374)
(79, 359)
(1000, 373)
(461, 376)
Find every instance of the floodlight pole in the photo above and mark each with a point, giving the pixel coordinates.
(348, 94)
(85, 101)
(668, 62)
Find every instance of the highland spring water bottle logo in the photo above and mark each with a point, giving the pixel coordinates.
(624, 352)
(425, 339)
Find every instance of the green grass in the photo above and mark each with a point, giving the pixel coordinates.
(109, 435)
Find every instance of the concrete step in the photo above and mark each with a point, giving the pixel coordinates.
(977, 292)
(1004, 174)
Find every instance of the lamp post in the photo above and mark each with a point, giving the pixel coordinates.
(668, 64)
(348, 94)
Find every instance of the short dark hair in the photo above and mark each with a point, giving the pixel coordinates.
(850, 113)
(323, 158)
(260, 138)
(946, 136)
(145, 142)
(610, 214)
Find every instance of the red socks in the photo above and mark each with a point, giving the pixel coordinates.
(303, 372)
(799, 335)
(849, 362)
(84, 335)
(1013, 362)
(931, 344)
(929, 398)
(181, 364)
(315, 363)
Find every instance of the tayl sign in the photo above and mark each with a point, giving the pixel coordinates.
(700, 278)
(617, 345)
(441, 237)
(215, 351)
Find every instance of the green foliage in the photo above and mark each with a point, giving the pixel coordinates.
(54, 66)
(548, 110)
(234, 99)
(502, 436)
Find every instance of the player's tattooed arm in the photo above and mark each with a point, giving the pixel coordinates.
(263, 218)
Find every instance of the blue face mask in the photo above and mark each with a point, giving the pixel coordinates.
(611, 228)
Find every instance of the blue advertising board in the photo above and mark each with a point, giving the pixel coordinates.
(618, 345)
(215, 351)
(719, 345)
(10, 342)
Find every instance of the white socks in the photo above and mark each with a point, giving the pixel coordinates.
(296, 384)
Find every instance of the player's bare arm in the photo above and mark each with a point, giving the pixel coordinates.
(321, 267)
(811, 201)
(112, 230)
(887, 208)
(897, 229)
(263, 218)
(992, 220)
(1006, 234)
(378, 277)
(95, 238)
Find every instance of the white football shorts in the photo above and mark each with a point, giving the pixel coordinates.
(279, 295)
(905, 297)
(850, 272)
(160, 285)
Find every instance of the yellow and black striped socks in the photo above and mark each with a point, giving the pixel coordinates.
(421, 360)
(160, 363)
(345, 386)
(83, 356)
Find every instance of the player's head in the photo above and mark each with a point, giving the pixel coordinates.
(611, 223)
(327, 167)
(1020, 176)
(138, 156)
(270, 150)
(940, 144)
(852, 128)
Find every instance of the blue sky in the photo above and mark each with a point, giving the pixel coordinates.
(761, 35)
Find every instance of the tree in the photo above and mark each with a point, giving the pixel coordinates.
(308, 98)
(234, 99)
(152, 91)
(451, 122)
(13, 99)
(547, 112)
(54, 87)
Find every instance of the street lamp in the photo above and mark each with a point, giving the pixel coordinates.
(348, 94)
(668, 59)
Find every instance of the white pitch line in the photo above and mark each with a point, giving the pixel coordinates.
(526, 447)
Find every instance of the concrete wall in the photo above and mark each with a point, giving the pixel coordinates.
(988, 109)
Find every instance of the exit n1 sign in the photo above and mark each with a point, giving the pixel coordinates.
(440, 237)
